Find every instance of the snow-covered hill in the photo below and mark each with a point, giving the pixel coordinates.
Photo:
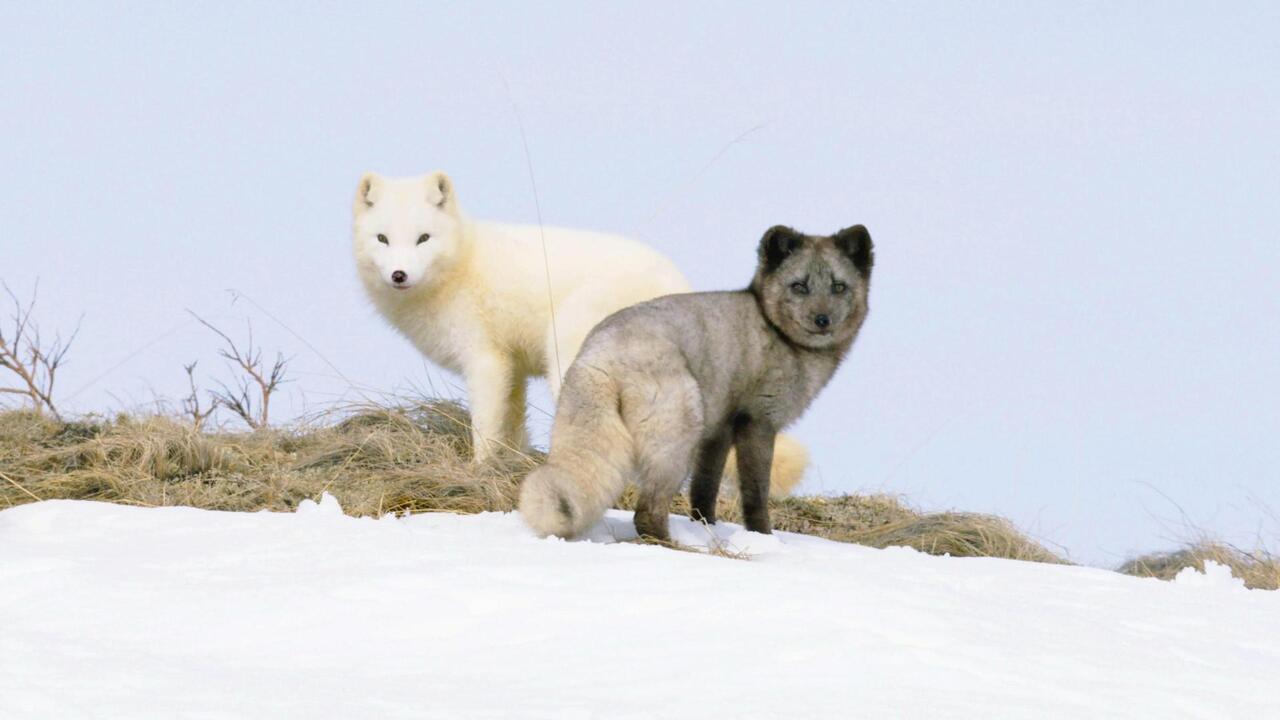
(110, 611)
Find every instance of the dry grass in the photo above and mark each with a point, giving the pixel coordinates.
(410, 459)
(416, 458)
(1259, 569)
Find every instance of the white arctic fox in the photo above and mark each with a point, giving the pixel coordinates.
(477, 298)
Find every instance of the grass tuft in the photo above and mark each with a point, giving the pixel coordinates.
(1259, 569)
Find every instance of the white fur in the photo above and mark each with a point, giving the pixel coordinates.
(476, 299)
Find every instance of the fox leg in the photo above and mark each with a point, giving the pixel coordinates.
(753, 441)
(665, 419)
(496, 395)
(790, 459)
(708, 467)
(514, 433)
(661, 474)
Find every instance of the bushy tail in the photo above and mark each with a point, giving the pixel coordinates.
(790, 460)
(586, 470)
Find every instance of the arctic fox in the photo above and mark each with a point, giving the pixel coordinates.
(477, 297)
(668, 386)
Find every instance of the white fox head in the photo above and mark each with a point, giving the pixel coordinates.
(406, 231)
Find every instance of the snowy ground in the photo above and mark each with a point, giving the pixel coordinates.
(111, 611)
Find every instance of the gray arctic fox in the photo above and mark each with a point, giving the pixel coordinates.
(663, 389)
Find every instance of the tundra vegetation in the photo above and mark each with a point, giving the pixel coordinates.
(216, 450)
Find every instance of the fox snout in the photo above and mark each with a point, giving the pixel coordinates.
(400, 280)
(822, 321)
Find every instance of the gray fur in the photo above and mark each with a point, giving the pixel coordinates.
(666, 387)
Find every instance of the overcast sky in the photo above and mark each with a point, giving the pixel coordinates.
(1074, 309)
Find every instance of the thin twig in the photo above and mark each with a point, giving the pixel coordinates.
(191, 403)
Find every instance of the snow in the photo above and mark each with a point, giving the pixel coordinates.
(109, 611)
(1215, 575)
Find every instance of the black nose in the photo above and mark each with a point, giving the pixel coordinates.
(398, 277)
(821, 321)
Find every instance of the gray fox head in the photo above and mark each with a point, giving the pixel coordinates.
(813, 289)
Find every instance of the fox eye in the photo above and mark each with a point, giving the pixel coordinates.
(383, 239)
(800, 288)
(423, 238)
(838, 287)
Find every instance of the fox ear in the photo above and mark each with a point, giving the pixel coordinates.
(439, 190)
(778, 242)
(855, 242)
(367, 191)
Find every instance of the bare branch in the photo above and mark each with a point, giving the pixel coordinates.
(252, 373)
(24, 354)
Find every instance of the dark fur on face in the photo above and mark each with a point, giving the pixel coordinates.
(812, 288)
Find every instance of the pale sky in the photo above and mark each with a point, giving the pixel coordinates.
(1074, 309)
